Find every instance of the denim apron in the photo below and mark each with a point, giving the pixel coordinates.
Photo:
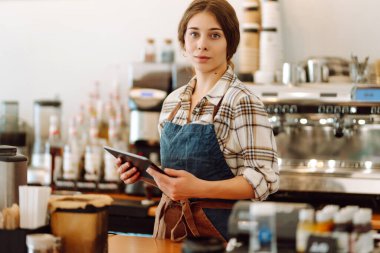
(194, 148)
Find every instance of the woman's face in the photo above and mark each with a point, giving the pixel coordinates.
(205, 43)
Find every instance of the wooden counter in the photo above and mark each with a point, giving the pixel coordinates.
(134, 244)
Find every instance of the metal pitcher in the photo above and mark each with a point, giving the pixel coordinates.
(318, 72)
(293, 73)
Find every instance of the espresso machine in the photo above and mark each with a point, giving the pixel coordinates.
(328, 141)
(148, 86)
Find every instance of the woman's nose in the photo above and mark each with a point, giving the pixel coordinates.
(202, 44)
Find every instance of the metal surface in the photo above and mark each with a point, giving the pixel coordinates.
(13, 170)
(326, 141)
(330, 176)
(144, 126)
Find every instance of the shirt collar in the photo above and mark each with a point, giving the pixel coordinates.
(216, 93)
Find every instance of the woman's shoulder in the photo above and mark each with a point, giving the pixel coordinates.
(172, 99)
(174, 96)
(239, 91)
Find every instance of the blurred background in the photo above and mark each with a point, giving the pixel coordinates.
(59, 48)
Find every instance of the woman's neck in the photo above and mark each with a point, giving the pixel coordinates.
(207, 80)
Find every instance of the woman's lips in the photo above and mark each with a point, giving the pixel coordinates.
(202, 58)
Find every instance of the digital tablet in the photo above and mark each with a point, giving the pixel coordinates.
(140, 162)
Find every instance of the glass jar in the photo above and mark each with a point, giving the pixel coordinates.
(150, 51)
(167, 52)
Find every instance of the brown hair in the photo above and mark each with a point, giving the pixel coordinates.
(224, 14)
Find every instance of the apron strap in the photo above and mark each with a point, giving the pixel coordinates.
(215, 204)
(178, 106)
(186, 216)
(186, 210)
(177, 231)
(174, 112)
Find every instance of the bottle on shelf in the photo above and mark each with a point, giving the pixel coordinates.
(350, 211)
(72, 153)
(342, 230)
(361, 236)
(324, 222)
(150, 51)
(262, 228)
(305, 228)
(100, 123)
(55, 149)
(110, 181)
(110, 173)
(167, 52)
(93, 158)
(92, 164)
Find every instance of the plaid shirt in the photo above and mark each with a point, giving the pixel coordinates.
(242, 128)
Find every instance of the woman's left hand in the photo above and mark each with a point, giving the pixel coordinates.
(178, 185)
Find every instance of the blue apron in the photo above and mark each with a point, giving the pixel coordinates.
(194, 148)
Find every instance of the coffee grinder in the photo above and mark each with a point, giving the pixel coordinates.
(149, 84)
(13, 132)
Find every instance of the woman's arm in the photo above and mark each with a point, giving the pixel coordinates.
(233, 188)
(254, 140)
(180, 185)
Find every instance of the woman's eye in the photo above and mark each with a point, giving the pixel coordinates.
(215, 36)
(193, 34)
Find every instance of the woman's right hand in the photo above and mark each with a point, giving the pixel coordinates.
(128, 173)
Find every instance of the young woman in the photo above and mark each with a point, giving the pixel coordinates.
(217, 145)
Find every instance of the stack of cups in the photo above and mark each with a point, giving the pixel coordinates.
(249, 46)
(33, 206)
(271, 50)
(249, 49)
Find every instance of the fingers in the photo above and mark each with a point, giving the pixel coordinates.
(133, 179)
(123, 167)
(156, 175)
(128, 173)
(173, 172)
(130, 176)
(160, 178)
(118, 162)
(153, 173)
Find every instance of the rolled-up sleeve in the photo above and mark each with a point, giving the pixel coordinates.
(257, 146)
